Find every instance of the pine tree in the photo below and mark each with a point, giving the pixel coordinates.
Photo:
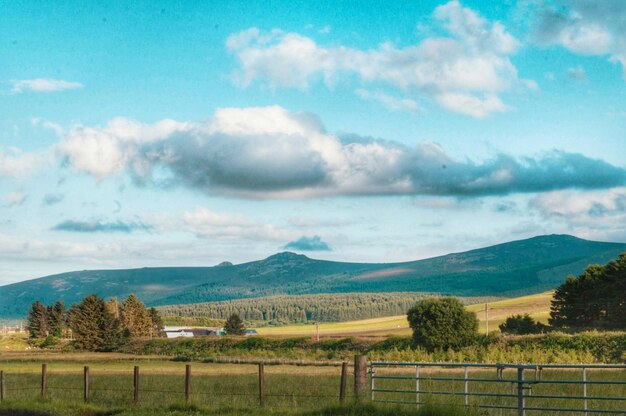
(135, 317)
(93, 326)
(37, 320)
(157, 323)
(234, 325)
(57, 319)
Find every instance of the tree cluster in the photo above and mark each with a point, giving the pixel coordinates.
(595, 299)
(47, 320)
(301, 308)
(95, 324)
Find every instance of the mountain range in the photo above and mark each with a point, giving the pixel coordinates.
(515, 268)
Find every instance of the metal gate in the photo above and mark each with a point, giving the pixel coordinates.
(511, 388)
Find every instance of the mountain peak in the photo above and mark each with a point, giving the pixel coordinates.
(287, 256)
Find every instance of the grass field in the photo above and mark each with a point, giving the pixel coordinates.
(538, 306)
(232, 389)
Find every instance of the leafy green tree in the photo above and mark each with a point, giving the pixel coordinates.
(521, 325)
(93, 326)
(442, 323)
(157, 323)
(596, 298)
(37, 320)
(57, 319)
(135, 317)
(234, 325)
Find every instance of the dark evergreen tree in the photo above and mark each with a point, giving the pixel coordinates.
(442, 323)
(93, 326)
(157, 323)
(37, 320)
(596, 298)
(57, 319)
(234, 325)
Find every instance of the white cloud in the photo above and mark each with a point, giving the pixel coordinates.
(268, 152)
(14, 162)
(390, 102)
(470, 66)
(585, 27)
(43, 85)
(205, 223)
(13, 199)
(593, 214)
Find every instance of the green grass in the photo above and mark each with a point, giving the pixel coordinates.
(219, 389)
(538, 306)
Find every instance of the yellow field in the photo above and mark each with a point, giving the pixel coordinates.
(538, 306)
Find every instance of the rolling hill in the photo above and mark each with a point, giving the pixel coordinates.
(511, 269)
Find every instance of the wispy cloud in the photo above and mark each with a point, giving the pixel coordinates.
(585, 27)
(52, 199)
(465, 72)
(13, 199)
(100, 226)
(304, 243)
(43, 85)
(268, 152)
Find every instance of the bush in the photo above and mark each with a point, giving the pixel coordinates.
(442, 323)
(521, 325)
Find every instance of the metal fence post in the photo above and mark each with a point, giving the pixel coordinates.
(342, 385)
(585, 390)
(521, 410)
(466, 387)
(417, 385)
(44, 379)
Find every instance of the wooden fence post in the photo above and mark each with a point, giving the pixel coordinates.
(187, 382)
(2, 386)
(44, 379)
(360, 376)
(86, 384)
(344, 379)
(136, 384)
(261, 384)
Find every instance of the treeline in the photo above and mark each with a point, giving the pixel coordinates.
(595, 299)
(301, 308)
(95, 324)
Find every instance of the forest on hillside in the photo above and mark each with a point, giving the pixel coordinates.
(304, 308)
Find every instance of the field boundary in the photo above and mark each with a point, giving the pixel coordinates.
(525, 378)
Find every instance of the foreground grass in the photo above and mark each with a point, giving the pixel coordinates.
(537, 306)
(48, 408)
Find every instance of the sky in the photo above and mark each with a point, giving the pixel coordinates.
(163, 133)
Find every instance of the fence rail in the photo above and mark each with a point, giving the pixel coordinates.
(533, 387)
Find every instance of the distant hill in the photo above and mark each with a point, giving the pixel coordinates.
(516, 268)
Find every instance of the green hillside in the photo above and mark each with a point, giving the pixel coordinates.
(510, 269)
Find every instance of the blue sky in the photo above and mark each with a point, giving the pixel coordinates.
(140, 134)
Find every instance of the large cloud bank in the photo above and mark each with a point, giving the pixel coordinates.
(269, 152)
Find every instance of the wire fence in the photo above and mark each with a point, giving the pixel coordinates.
(211, 384)
(503, 388)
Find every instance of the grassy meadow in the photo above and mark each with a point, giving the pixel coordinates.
(538, 306)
